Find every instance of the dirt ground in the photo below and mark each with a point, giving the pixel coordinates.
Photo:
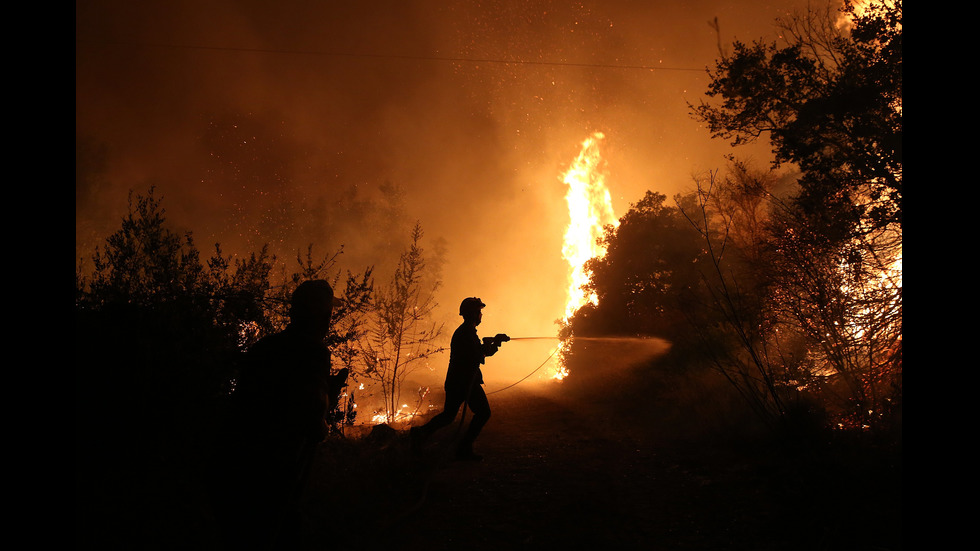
(609, 461)
(624, 460)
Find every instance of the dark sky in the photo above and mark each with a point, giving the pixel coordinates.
(279, 121)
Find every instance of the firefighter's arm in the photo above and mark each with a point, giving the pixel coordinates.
(492, 344)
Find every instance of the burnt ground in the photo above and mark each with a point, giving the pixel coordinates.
(635, 461)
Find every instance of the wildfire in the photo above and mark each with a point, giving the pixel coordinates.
(403, 414)
(590, 211)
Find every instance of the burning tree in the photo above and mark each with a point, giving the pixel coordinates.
(734, 318)
(590, 213)
(830, 102)
(846, 298)
(400, 334)
(791, 282)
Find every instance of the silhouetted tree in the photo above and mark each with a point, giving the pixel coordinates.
(648, 272)
(829, 101)
(147, 332)
(401, 334)
(159, 333)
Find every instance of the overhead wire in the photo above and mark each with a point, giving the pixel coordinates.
(452, 59)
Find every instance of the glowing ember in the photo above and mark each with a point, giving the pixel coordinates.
(590, 210)
(403, 414)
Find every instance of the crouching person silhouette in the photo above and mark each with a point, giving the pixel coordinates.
(275, 424)
(464, 381)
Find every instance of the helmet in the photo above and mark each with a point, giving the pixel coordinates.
(470, 305)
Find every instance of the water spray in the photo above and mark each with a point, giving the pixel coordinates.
(633, 340)
(535, 370)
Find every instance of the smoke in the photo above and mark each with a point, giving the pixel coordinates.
(342, 123)
(595, 364)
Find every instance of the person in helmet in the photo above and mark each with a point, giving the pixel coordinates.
(464, 380)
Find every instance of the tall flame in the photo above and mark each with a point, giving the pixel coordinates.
(589, 210)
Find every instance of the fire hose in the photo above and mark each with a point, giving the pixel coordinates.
(522, 379)
(505, 338)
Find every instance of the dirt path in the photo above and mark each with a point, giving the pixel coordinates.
(601, 462)
(609, 459)
(560, 472)
(554, 477)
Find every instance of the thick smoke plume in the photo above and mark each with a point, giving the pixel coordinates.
(343, 123)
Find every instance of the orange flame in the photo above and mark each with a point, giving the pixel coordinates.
(590, 211)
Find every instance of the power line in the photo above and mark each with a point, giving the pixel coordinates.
(450, 59)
